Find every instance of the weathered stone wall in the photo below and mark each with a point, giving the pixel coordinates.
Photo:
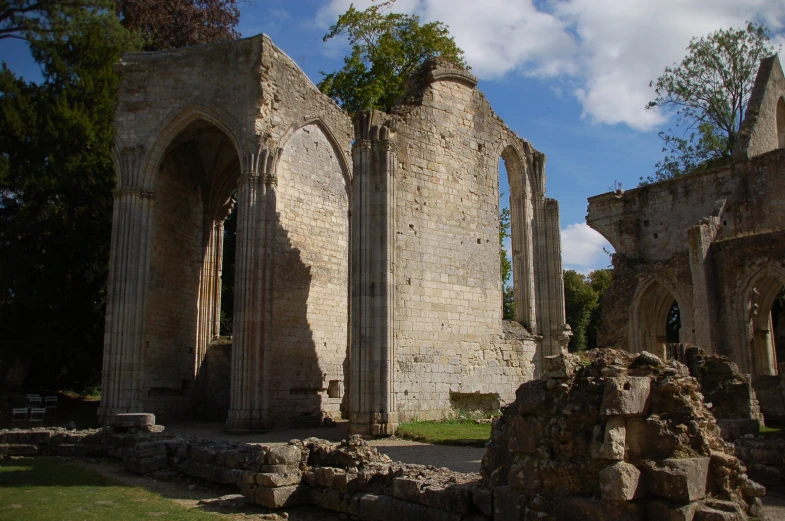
(217, 371)
(411, 322)
(712, 241)
(448, 304)
(310, 316)
(170, 338)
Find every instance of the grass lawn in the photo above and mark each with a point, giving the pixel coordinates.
(44, 489)
(447, 432)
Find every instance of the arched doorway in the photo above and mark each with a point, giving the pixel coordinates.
(657, 319)
(764, 308)
(193, 186)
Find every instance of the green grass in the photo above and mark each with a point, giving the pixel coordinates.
(446, 432)
(770, 430)
(49, 489)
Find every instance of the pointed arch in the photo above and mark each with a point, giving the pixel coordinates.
(754, 302)
(177, 121)
(339, 152)
(651, 304)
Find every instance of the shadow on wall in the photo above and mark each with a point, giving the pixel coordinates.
(294, 379)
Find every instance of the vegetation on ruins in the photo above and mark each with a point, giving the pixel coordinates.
(385, 48)
(450, 431)
(582, 296)
(56, 180)
(708, 92)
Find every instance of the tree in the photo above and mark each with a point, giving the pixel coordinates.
(56, 178)
(22, 19)
(708, 92)
(180, 23)
(599, 280)
(580, 300)
(508, 298)
(386, 47)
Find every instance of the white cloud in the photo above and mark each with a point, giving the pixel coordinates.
(611, 48)
(582, 248)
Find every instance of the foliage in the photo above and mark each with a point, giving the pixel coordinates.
(25, 19)
(673, 324)
(508, 299)
(453, 431)
(708, 92)
(180, 23)
(56, 179)
(582, 297)
(385, 48)
(599, 280)
(49, 489)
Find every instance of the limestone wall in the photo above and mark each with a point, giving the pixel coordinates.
(448, 293)
(310, 315)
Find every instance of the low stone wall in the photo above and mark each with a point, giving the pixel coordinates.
(350, 477)
(764, 457)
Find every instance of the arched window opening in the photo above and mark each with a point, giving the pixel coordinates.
(227, 271)
(781, 123)
(673, 324)
(778, 326)
(505, 244)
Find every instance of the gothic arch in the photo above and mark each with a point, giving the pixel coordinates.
(346, 171)
(649, 311)
(754, 302)
(178, 120)
(521, 231)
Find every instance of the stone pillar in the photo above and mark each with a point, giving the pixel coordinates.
(208, 324)
(372, 401)
(246, 413)
(549, 281)
(700, 238)
(522, 250)
(129, 270)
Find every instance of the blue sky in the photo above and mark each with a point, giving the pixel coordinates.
(570, 76)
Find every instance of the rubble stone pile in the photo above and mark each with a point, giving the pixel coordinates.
(611, 435)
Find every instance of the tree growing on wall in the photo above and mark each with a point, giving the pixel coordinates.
(385, 48)
(708, 92)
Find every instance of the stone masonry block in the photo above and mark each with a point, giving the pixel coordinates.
(677, 479)
(127, 420)
(613, 447)
(284, 455)
(620, 482)
(626, 396)
(282, 496)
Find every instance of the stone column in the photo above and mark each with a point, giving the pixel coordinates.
(549, 282)
(208, 324)
(129, 270)
(697, 328)
(372, 403)
(522, 251)
(246, 413)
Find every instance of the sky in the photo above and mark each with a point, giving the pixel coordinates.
(570, 76)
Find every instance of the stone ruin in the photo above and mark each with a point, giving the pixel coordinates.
(367, 282)
(607, 436)
(614, 436)
(711, 243)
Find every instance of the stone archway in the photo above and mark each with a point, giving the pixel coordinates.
(651, 309)
(757, 301)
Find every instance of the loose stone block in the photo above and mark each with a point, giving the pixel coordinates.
(127, 420)
(613, 447)
(145, 465)
(284, 455)
(626, 396)
(282, 496)
(678, 479)
(620, 482)
(278, 480)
